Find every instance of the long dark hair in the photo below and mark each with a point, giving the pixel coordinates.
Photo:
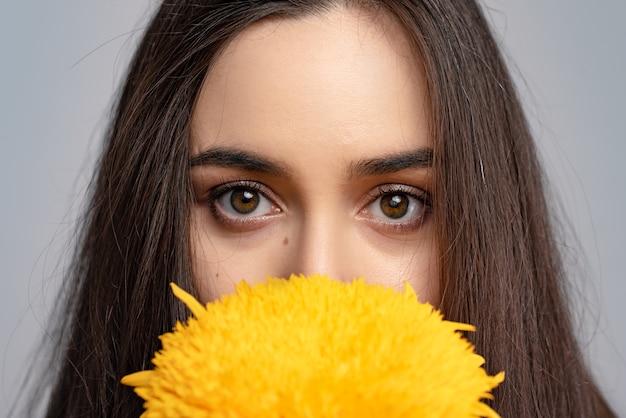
(501, 269)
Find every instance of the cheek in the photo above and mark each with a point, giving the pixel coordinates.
(413, 259)
(425, 277)
(221, 261)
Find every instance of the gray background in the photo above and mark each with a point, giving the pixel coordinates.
(61, 62)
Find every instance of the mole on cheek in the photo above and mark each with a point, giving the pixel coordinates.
(285, 241)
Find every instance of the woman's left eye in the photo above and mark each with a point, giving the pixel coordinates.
(399, 205)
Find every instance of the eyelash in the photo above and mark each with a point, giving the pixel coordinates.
(417, 195)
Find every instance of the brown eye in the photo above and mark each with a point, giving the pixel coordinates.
(244, 201)
(400, 205)
(394, 206)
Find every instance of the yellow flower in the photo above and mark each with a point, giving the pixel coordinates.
(313, 347)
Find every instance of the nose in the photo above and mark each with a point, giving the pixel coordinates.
(322, 247)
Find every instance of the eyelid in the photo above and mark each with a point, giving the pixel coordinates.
(226, 186)
(387, 188)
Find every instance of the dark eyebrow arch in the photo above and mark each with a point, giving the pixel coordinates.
(420, 158)
(227, 157)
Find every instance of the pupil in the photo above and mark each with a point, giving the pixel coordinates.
(394, 206)
(244, 201)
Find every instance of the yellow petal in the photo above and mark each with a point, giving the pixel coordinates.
(194, 306)
(137, 378)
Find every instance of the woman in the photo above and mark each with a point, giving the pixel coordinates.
(421, 167)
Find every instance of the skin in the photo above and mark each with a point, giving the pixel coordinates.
(308, 138)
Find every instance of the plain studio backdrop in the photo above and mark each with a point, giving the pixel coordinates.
(61, 64)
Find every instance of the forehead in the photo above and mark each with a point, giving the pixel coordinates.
(341, 78)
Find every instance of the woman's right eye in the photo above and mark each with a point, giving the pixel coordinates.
(241, 202)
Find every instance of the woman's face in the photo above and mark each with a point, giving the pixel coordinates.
(311, 154)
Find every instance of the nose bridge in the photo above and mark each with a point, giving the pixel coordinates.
(320, 247)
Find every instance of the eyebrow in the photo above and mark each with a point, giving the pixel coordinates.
(420, 158)
(226, 157)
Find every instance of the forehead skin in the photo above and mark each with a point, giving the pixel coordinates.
(263, 72)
